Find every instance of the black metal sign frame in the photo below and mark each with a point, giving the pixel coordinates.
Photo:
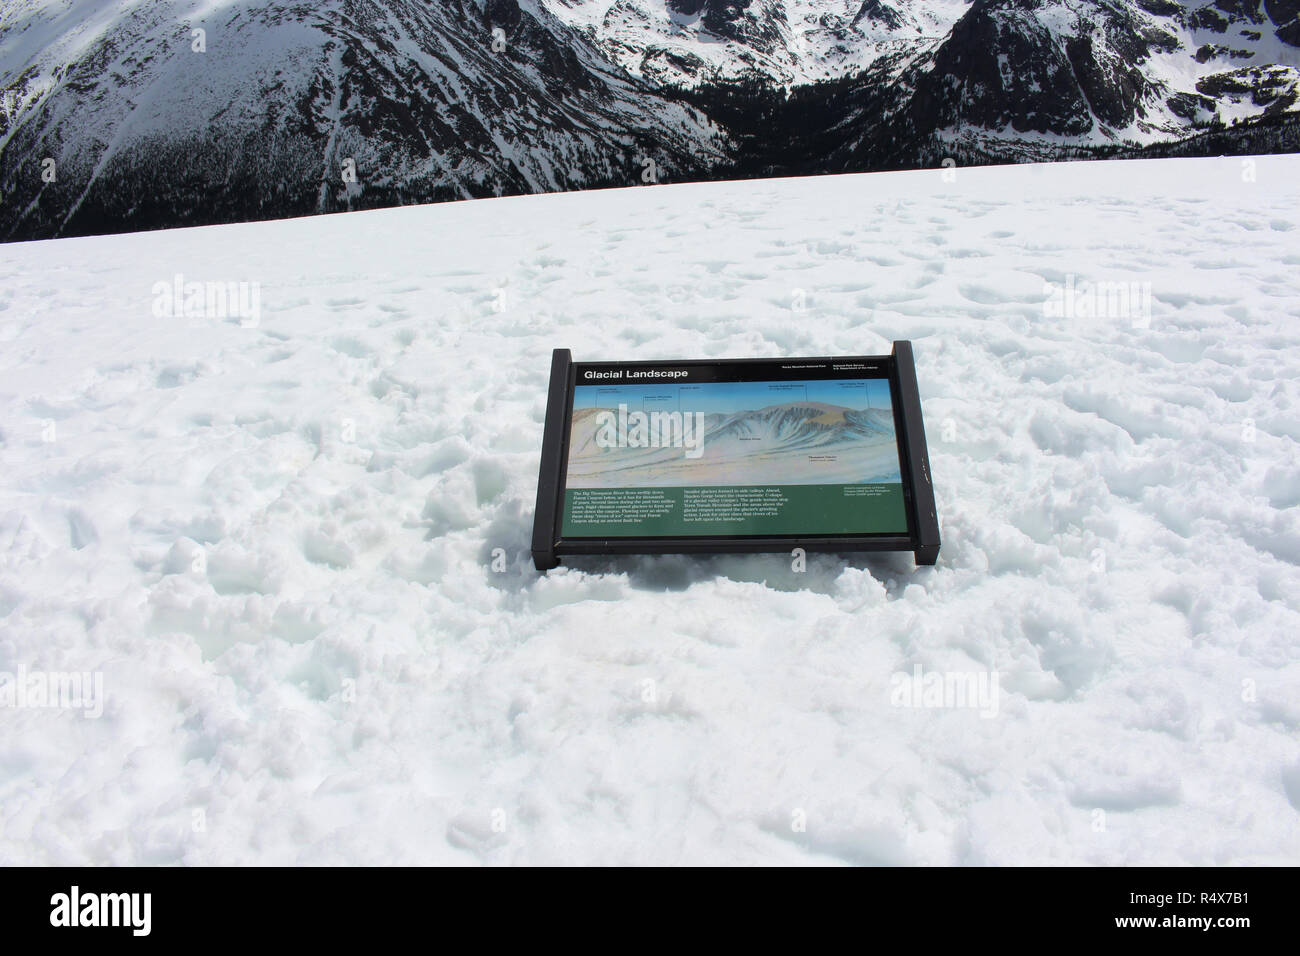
(898, 368)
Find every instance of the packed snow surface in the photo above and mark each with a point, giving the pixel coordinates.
(275, 538)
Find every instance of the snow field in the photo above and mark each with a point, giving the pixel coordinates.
(278, 542)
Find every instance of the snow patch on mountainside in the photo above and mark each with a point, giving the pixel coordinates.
(789, 41)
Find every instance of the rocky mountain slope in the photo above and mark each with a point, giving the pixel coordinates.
(285, 108)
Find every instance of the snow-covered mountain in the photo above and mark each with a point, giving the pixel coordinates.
(262, 111)
(130, 114)
(1086, 70)
(800, 41)
(787, 41)
(1106, 70)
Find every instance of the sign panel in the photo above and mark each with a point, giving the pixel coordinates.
(744, 455)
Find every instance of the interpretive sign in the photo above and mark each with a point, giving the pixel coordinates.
(825, 454)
